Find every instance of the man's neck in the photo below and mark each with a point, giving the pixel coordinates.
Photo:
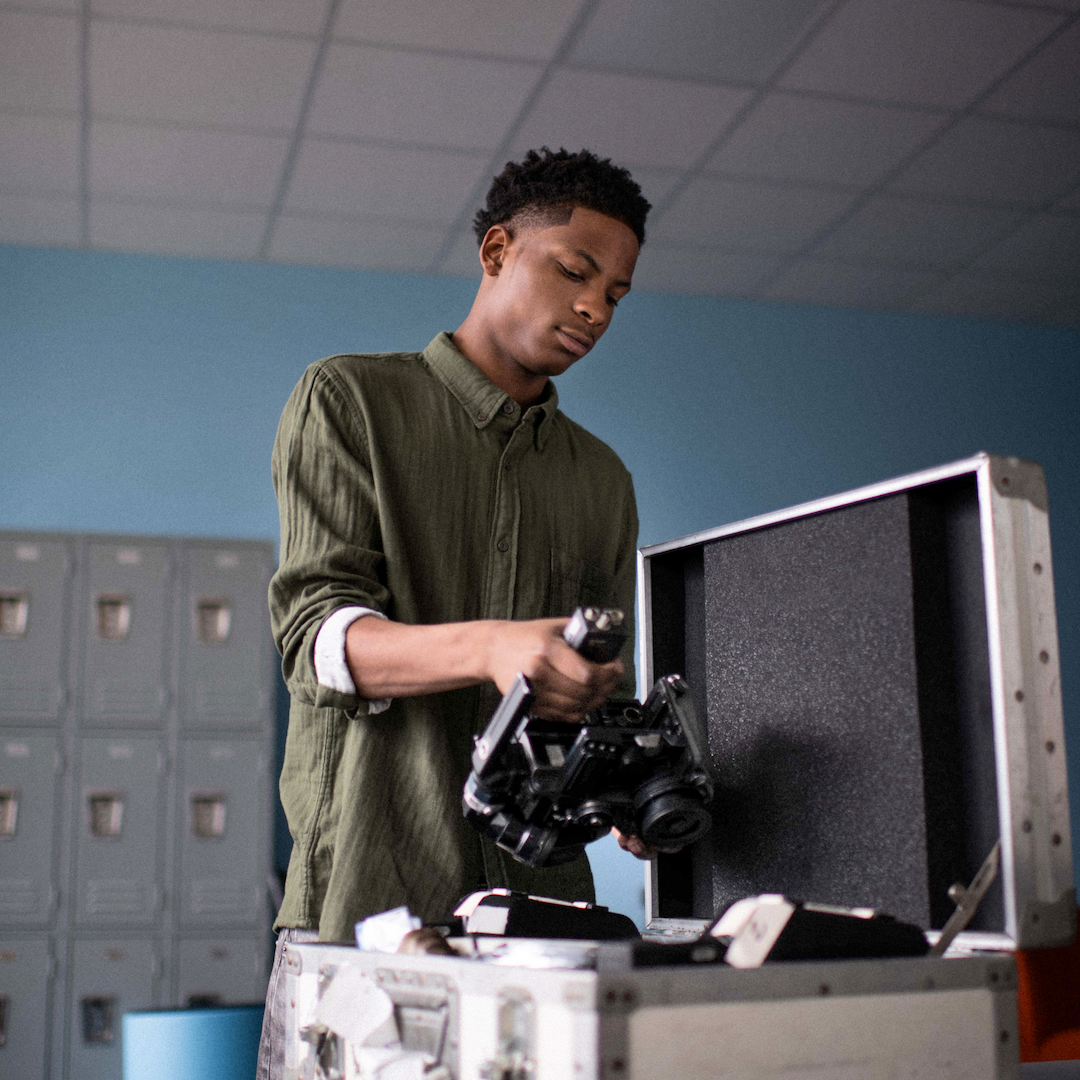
(475, 342)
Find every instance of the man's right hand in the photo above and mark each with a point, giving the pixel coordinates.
(566, 686)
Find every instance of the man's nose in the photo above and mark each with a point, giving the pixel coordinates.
(590, 306)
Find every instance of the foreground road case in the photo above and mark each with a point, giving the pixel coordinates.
(879, 676)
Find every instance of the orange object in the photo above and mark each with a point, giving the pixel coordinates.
(1048, 1003)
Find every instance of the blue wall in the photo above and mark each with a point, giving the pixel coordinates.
(142, 394)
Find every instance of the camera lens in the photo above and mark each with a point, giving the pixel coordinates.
(595, 816)
(670, 815)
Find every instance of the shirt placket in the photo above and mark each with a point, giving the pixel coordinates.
(506, 524)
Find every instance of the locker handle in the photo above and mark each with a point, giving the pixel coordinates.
(208, 816)
(213, 620)
(113, 616)
(14, 614)
(9, 812)
(106, 814)
(97, 1019)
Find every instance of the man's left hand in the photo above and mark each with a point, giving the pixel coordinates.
(635, 845)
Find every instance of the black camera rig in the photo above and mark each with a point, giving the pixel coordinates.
(542, 790)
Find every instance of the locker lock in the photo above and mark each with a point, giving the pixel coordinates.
(113, 616)
(9, 811)
(106, 813)
(213, 620)
(208, 816)
(98, 1015)
(14, 611)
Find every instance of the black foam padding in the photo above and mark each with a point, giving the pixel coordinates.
(814, 714)
(847, 691)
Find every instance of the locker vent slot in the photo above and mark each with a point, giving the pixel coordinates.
(106, 814)
(129, 698)
(9, 812)
(203, 1001)
(208, 816)
(216, 896)
(113, 617)
(98, 1014)
(3, 1018)
(25, 698)
(115, 896)
(19, 896)
(213, 620)
(14, 611)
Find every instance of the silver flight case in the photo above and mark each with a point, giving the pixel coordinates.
(880, 679)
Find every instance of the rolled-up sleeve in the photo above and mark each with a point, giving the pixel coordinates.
(331, 546)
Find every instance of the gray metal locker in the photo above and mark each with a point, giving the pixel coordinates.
(25, 975)
(125, 675)
(108, 978)
(221, 971)
(34, 574)
(117, 823)
(225, 628)
(222, 820)
(28, 772)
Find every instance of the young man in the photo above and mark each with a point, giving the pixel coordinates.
(440, 520)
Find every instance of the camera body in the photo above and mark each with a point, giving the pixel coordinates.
(542, 790)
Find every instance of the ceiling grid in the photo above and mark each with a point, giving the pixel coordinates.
(906, 155)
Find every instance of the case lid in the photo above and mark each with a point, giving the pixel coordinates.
(879, 673)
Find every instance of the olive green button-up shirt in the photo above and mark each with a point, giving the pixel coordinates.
(411, 484)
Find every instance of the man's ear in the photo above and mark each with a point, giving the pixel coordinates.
(493, 249)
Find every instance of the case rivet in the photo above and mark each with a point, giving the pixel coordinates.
(1026, 826)
(1037, 568)
(823, 989)
(993, 976)
(617, 1065)
(1019, 695)
(1004, 481)
(1044, 656)
(1004, 1036)
(1056, 839)
(1050, 747)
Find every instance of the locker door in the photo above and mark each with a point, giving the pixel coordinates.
(117, 875)
(221, 971)
(28, 773)
(33, 600)
(227, 678)
(126, 676)
(223, 817)
(25, 972)
(108, 978)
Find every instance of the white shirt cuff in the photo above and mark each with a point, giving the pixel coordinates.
(331, 668)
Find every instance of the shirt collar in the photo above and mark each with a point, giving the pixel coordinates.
(478, 395)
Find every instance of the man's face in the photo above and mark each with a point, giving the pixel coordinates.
(555, 288)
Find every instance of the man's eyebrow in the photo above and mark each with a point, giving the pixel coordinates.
(596, 266)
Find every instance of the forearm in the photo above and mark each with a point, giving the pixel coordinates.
(390, 659)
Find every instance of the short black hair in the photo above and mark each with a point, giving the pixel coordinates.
(549, 184)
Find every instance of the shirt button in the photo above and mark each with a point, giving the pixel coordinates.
(502, 545)
(508, 408)
(481, 416)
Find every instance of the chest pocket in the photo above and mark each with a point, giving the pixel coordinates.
(574, 582)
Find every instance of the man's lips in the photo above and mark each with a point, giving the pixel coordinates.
(574, 341)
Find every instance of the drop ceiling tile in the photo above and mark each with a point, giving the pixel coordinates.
(39, 220)
(373, 244)
(416, 97)
(918, 52)
(713, 271)
(813, 281)
(71, 6)
(912, 233)
(39, 153)
(1047, 87)
(204, 232)
(988, 298)
(631, 119)
(718, 40)
(268, 16)
(170, 164)
(997, 161)
(518, 28)
(791, 137)
(1066, 312)
(39, 62)
(747, 216)
(1047, 247)
(656, 184)
(194, 77)
(369, 180)
(463, 259)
